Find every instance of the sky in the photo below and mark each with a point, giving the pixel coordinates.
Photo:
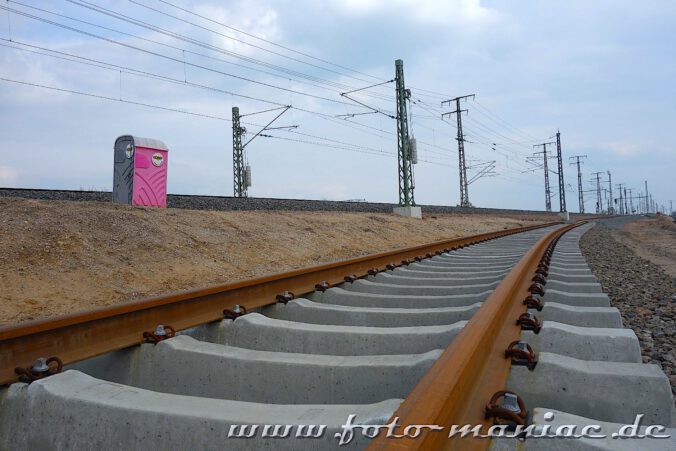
(601, 72)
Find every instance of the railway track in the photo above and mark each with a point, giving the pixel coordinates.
(420, 334)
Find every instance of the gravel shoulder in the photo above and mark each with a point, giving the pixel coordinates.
(58, 257)
(643, 292)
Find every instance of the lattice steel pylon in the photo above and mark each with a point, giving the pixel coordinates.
(462, 166)
(548, 191)
(562, 187)
(611, 204)
(621, 198)
(406, 183)
(580, 195)
(242, 171)
(626, 207)
(599, 199)
(238, 169)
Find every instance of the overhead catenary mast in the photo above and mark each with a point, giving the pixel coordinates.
(462, 166)
(548, 193)
(599, 199)
(611, 204)
(241, 170)
(580, 193)
(238, 163)
(652, 204)
(626, 206)
(621, 199)
(406, 182)
(562, 188)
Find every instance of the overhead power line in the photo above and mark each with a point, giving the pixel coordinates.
(146, 25)
(113, 99)
(150, 8)
(124, 69)
(276, 44)
(268, 41)
(170, 58)
(476, 137)
(373, 109)
(98, 8)
(335, 87)
(528, 136)
(331, 143)
(338, 146)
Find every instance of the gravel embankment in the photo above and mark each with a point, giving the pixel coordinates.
(643, 292)
(223, 203)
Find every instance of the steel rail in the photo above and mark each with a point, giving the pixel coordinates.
(88, 334)
(471, 369)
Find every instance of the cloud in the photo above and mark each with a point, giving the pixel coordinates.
(8, 176)
(253, 17)
(622, 148)
(466, 13)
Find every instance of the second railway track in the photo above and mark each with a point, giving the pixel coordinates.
(424, 340)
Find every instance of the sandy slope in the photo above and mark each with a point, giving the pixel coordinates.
(58, 257)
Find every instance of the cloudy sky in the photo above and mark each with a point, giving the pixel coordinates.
(600, 71)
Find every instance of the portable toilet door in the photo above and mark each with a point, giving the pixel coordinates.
(141, 179)
(150, 173)
(123, 170)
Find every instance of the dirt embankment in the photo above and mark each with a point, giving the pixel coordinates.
(58, 257)
(653, 239)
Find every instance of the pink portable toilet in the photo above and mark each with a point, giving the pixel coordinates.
(140, 172)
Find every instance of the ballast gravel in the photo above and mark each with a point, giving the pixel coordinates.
(224, 203)
(642, 291)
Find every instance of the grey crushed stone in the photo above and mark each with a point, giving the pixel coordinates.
(225, 203)
(642, 291)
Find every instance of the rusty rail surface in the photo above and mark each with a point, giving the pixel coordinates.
(472, 368)
(91, 333)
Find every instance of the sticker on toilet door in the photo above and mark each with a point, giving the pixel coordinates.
(158, 159)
